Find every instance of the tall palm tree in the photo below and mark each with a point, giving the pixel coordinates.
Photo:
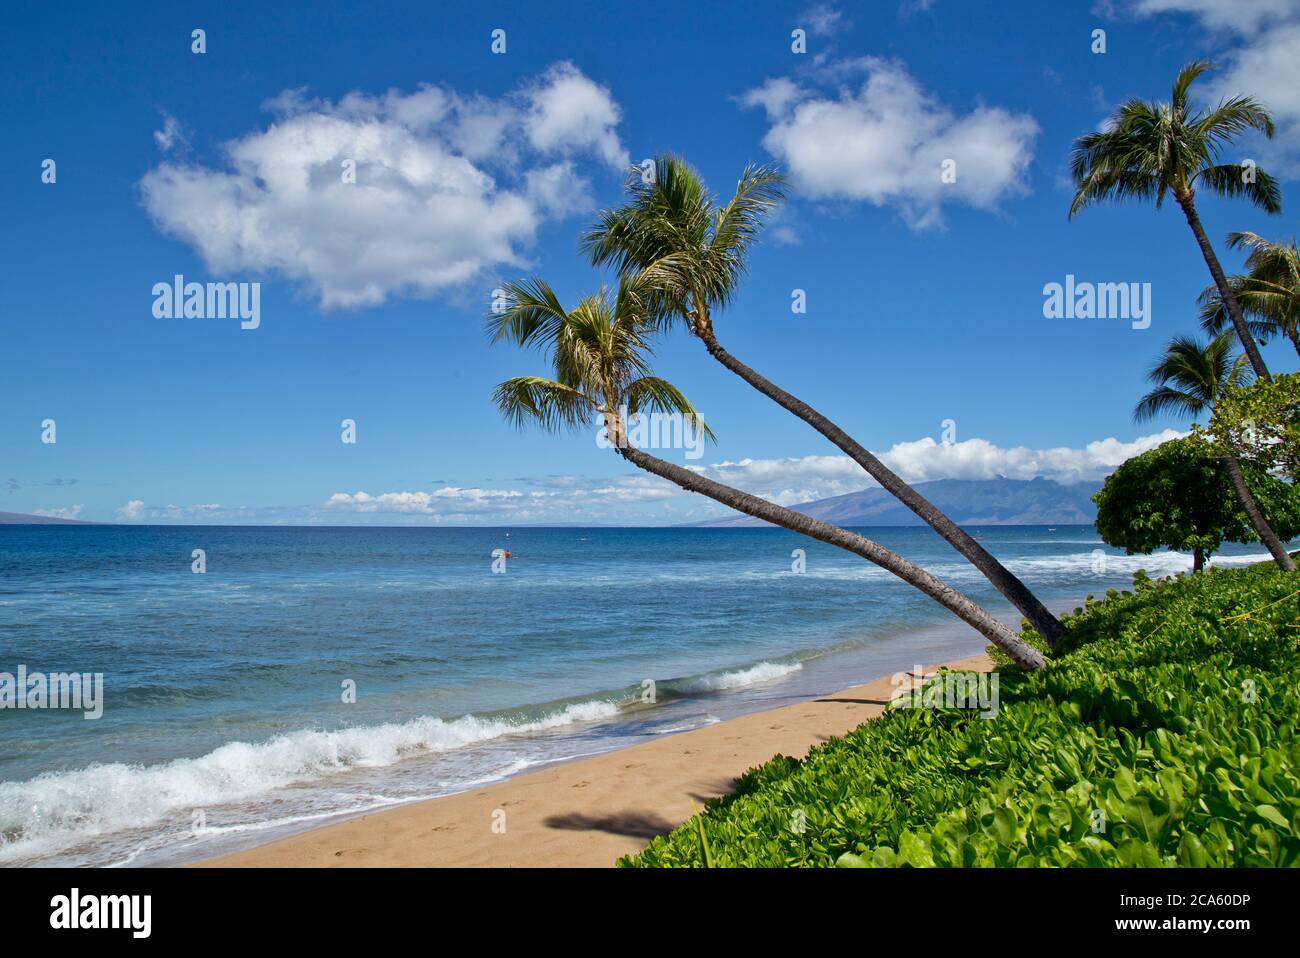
(1149, 150)
(599, 352)
(1189, 379)
(673, 232)
(1269, 293)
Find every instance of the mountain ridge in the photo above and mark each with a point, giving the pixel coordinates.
(22, 519)
(972, 502)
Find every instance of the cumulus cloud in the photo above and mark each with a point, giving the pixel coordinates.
(63, 512)
(447, 186)
(1243, 16)
(137, 510)
(170, 136)
(553, 498)
(132, 510)
(570, 499)
(569, 113)
(426, 503)
(1268, 67)
(885, 140)
(803, 479)
(822, 19)
(641, 498)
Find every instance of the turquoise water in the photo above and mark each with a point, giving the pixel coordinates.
(224, 721)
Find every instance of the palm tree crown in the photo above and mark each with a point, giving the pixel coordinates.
(677, 236)
(1148, 149)
(600, 352)
(1269, 293)
(1190, 377)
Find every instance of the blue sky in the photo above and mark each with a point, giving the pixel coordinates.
(924, 299)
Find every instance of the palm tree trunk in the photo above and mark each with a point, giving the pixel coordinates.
(1262, 528)
(1020, 651)
(1037, 614)
(1230, 301)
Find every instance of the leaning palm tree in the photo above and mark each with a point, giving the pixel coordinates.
(673, 233)
(1269, 292)
(1149, 150)
(1189, 379)
(599, 351)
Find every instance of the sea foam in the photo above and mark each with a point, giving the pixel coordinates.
(740, 678)
(56, 810)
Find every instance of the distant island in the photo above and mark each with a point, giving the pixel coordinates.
(970, 502)
(20, 519)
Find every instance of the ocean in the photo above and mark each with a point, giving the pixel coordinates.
(313, 673)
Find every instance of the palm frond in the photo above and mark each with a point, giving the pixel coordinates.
(1232, 118)
(1148, 149)
(1230, 180)
(531, 314)
(1190, 376)
(1186, 77)
(1166, 399)
(672, 229)
(537, 401)
(652, 394)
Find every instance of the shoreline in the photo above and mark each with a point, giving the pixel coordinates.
(581, 812)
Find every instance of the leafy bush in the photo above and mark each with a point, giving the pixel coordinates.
(1161, 734)
(1178, 496)
(1260, 423)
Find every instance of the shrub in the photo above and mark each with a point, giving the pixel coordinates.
(1161, 734)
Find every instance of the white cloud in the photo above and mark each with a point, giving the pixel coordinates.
(775, 96)
(426, 503)
(62, 512)
(1242, 16)
(132, 510)
(639, 497)
(795, 480)
(170, 135)
(886, 142)
(821, 20)
(207, 511)
(552, 498)
(447, 187)
(571, 114)
(1268, 68)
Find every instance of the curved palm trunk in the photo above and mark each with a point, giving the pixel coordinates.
(1262, 528)
(1230, 301)
(1020, 651)
(1046, 624)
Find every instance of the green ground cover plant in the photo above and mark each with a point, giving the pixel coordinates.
(1162, 734)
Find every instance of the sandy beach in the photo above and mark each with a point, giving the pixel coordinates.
(582, 813)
